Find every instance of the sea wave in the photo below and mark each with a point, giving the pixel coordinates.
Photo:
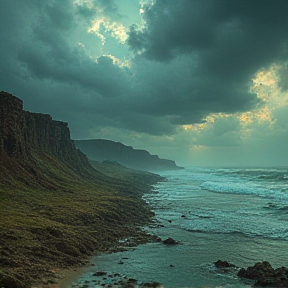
(272, 192)
(251, 234)
(224, 201)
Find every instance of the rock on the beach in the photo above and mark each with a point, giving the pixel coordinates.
(100, 273)
(260, 269)
(170, 241)
(223, 264)
(116, 281)
(265, 275)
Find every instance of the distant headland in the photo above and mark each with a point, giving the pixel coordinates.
(101, 150)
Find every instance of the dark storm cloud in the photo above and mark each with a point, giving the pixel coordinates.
(42, 63)
(221, 30)
(228, 41)
(39, 46)
(175, 91)
(50, 55)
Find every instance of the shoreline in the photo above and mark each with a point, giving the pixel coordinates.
(69, 276)
(48, 252)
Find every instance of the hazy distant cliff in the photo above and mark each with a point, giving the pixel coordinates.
(27, 138)
(100, 150)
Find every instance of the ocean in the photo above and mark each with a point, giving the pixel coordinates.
(235, 214)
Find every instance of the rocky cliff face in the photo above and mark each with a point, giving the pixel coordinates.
(25, 138)
(55, 208)
(100, 150)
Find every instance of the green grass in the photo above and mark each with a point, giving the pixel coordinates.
(54, 217)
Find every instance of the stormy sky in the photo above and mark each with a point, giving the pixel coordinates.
(200, 82)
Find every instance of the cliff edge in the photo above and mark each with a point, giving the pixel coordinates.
(26, 138)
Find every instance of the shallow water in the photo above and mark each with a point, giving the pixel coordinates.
(238, 215)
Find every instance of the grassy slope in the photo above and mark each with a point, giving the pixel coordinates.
(56, 224)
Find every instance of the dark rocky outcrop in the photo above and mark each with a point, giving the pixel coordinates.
(26, 139)
(100, 273)
(101, 150)
(265, 275)
(170, 241)
(22, 131)
(223, 264)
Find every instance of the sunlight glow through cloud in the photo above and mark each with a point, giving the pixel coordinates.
(116, 61)
(116, 30)
(245, 127)
(265, 85)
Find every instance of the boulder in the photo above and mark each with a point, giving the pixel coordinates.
(265, 275)
(223, 264)
(170, 241)
(259, 270)
(100, 273)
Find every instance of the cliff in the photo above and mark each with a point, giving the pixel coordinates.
(100, 150)
(26, 139)
(55, 208)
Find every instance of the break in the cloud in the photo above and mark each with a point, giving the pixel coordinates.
(178, 82)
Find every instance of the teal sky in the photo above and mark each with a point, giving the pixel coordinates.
(199, 82)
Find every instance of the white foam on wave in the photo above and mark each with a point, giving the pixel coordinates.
(245, 211)
(261, 182)
(272, 192)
